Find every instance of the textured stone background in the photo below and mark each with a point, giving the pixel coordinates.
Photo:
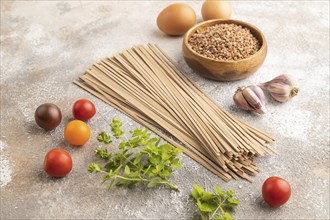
(45, 45)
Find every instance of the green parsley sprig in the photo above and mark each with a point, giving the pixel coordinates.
(215, 206)
(140, 159)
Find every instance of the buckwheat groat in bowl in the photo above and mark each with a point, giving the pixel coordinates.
(224, 50)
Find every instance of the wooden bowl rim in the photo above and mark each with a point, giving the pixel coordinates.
(227, 21)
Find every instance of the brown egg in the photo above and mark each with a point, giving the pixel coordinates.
(176, 19)
(216, 9)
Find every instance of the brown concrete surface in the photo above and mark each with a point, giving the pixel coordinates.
(45, 45)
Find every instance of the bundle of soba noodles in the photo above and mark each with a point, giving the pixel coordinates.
(148, 86)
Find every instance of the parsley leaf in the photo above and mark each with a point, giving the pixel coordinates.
(116, 128)
(104, 137)
(141, 159)
(102, 153)
(214, 206)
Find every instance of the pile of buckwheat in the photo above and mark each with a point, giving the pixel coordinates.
(224, 42)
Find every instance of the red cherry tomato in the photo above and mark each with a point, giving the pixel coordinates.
(83, 109)
(276, 191)
(58, 162)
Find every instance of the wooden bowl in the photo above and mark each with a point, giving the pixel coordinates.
(224, 70)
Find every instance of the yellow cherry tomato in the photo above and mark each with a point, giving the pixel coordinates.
(77, 132)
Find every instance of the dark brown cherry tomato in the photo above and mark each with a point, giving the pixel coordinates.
(48, 116)
(58, 162)
(83, 109)
(276, 191)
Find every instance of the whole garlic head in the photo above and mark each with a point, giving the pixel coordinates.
(282, 88)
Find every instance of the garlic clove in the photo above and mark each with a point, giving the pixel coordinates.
(250, 98)
(282, 88)
(240, 100)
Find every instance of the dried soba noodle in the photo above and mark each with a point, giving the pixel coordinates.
(147, 85)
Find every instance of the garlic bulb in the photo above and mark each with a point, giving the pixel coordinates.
(250, 98)
(282, 88)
